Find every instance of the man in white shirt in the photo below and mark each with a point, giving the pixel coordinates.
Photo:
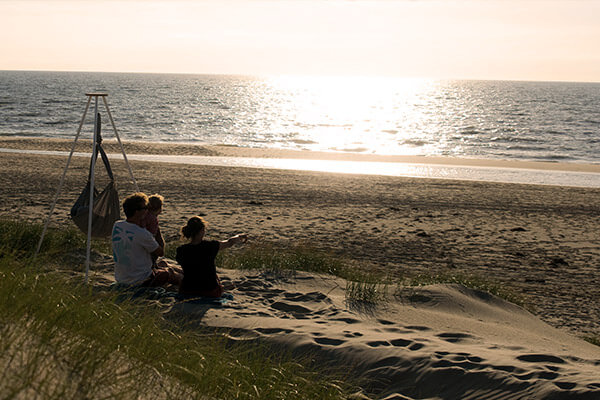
(134, 246)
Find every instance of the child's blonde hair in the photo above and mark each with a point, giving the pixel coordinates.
(155, 202)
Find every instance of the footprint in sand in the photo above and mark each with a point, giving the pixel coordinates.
(417, 328)
(455, 337)
(593, 386)
(465, 365)
(416, 346)
(347, 320)
(505, 368)
(541, 358)
(401, 342)
(466, 357)
(306, 297)
(378, 343)
(271, 331)
(413, 346)
(566, 385)
(329, 341)
(548, 376)
(295, 309)
(397, 330)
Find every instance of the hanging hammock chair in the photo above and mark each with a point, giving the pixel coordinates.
(106, 208)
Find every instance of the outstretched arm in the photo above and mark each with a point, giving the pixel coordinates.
(241, 238)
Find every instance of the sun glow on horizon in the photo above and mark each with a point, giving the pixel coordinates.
(462, 39)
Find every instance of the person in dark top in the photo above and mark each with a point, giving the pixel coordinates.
(197, 258)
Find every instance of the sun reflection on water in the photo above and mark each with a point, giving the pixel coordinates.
(370, 114)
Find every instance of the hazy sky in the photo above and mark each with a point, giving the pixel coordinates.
(477, 39)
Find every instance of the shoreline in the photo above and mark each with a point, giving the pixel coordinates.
(445, 168)
(223, 150)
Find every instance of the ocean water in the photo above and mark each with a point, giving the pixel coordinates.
(540, 121)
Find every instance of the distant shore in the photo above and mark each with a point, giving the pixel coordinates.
(541, 241)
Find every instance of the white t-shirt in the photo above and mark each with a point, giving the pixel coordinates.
(132, 246)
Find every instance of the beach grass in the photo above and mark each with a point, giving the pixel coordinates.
(62, 339)
(468, 280)
(363, 285)
(593, 339)
(21, 239)
(268, 257)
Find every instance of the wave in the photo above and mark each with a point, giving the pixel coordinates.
(302, 141)
(471, 132)
(414, 142)
(350, 150)
(517, 139)
(554, 157)
(29, 114)
(59, 122)
(57, 101)
(591, 121)
(527, 148)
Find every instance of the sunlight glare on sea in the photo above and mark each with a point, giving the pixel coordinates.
(358, 114)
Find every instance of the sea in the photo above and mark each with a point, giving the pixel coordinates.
(508, 120)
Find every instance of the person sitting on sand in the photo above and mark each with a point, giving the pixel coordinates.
(197, 258)
(150, 221)
(134, 246)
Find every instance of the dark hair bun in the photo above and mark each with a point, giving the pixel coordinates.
(193, 227)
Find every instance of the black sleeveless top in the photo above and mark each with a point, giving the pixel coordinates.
(198, 263)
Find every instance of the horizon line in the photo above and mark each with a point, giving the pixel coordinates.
(323, 75)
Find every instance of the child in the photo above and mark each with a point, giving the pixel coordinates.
(197, 258)
(150, 220)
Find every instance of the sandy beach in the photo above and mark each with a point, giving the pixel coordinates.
(539, 241)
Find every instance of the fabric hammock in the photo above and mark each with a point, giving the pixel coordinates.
(106, 209)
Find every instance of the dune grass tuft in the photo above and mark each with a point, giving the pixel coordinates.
(593, 339)
(467, 280)
(21, 239)
(269, 258)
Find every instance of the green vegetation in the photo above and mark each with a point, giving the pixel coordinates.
(592, 339)
(360, 286)
(266, 257)
(66, 340)
(467, 280)
(367, 292)
(21, 239)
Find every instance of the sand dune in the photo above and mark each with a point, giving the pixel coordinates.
(440, 341)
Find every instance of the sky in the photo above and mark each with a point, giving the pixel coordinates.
(542, 40)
